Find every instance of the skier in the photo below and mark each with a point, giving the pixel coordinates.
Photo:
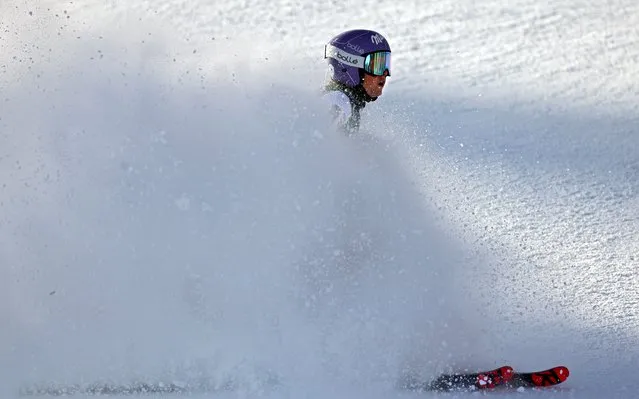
(358, 65)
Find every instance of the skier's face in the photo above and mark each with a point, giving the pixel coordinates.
(374, 85)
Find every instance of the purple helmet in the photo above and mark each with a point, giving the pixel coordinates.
(349, 52)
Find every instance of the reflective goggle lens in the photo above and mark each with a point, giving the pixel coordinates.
(378, 63)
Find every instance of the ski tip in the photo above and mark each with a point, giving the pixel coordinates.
(553, 376)
(562, 373)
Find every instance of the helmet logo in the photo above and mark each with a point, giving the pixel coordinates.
(377, 38)
(343, 56)
(346, 58)
(355, 47)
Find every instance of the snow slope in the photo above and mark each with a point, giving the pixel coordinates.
(175, 207)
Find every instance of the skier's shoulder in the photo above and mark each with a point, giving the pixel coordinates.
(339, 102)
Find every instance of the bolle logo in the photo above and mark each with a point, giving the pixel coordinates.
(346, 58)
(355, 47)
(377, 38)
(343, 56)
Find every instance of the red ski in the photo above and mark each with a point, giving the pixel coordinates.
(503, 376)
(470, 381)
(544, 378)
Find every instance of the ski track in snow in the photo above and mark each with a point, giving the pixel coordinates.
(518, 121)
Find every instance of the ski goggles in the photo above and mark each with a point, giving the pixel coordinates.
(373, 63)
(378, 63)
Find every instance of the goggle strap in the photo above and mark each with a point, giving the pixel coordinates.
(343, 57)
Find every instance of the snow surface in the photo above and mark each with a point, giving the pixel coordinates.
(175, 206)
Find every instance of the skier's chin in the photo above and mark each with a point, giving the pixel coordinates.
(376, 91)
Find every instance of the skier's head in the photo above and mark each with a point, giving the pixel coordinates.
(359, 57)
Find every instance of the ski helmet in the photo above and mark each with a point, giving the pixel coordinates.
(354, 51)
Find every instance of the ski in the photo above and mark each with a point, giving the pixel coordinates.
(544, 378)
(503, 376)
(471, 381)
